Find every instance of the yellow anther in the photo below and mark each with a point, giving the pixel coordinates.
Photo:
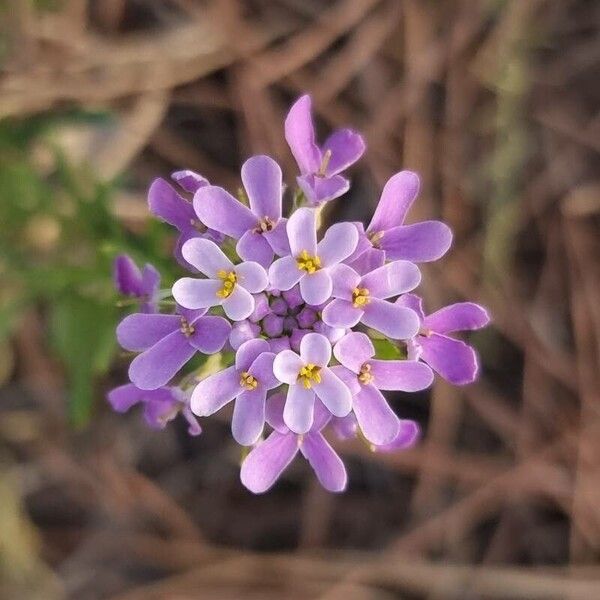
(376, 237)
(308, 374)
(186, 328)
(248, 382)
(365, 376)
(229, 279)
(264, 225)
(308, 263)
(360, 297)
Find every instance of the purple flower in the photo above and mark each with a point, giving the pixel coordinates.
(160, 406)
(420, 242)
(130, 281)
(248, 381)
(454, 360)
(365, 376)
(228, 285)
(307, 375)
(242, 331)
(265, 463)
(173, 208)
(167, 342)
(320, 168)
(362, 299)
(260, 230)
(310, 263)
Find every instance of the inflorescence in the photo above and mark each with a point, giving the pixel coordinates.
(295, 325)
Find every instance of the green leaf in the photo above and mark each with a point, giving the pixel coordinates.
(386, 350)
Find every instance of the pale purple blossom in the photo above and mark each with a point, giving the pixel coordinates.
(142, 284)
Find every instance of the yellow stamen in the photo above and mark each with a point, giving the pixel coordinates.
(308, 263)
(248, 382)
(308, 374)
(360, 297)
(375, 238)
(324, 164)
(365, 376)
(186, 328)
(229, 279)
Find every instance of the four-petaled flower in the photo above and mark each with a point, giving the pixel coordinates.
(228, 285)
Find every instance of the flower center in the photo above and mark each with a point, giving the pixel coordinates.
(264, 225)
(308, 263)
(365, 376)
(360, 297)
(198, 226)
(248, 382)
(308, 374)
(376, 237)
(425, 331)
(186, 328)
(229, 279)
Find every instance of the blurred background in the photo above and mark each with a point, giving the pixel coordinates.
(495, 103)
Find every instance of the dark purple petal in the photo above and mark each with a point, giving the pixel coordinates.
(341, 313)
(127, 277)
(279, 344)
(299, 408)
(167, 204)
(265, 463)
(407, 437)
(255, 247)
(337, 244)
(316, 287)
(392, 279)
(249, 416)
(249, 352)
(140, 331)
(322, 189)
(210, 334)
(241, 332)
(345, 280)
(402, 375)
(397, 322)
(300, 135)
(316, 349)
(261, 308)
(239, 304)
(377, 420)
(262, 369)
(396, 199)
(321, 416)
(157, 365)
(306, 318)
(302, 231)
(284, 273)
(206, 256)
(454, 360)
(348, 378)
(421, 242)
(346, 148)
(274, 412)
(251, 276)
(214, 392)
(333, 334)
(286, 366)
(296, 338)
(189, 181)
(293, 297)
(273, 325)
(193, 425)
(158, 412)
(262, 179)
(368, 261)
(327, 465)
(354, 350)
(150, 287)
(122, 398)
(413, 302)
(278, 238)
(219, 210)
(197, 293)
(345, 428)
(463, 316)
(333, 393)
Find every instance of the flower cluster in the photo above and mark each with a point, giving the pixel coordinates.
(306, 330)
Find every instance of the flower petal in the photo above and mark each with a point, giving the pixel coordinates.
(167, 204)
(262, 179)
(377, 420)
(278, 238)
(210, 334)
(354, 350)
(300, 135)
(189, 180)
(348, 378)
(219, 210)
(299, 408)
(368, 261)
(322, 189)
(337, 244)
(408, 435)
(413, 302)
(262, 369)
(286, 366)
(140, 331)
(284, 273)
(252, 277)
(265, 463)
(122, 398)
(462, 316)
(392, 279)
(254, 246)
(421, 242)
(196, 293)
(243, 331)
(396, 199)
(302, 231)
(126, 276)
(239, 304)
(248, 419)
(316, 349)
(157, 365)
(345, 280)
(454, 360)
(341, 313)
(402, 375)
(274, 412)
(316, 287)
(346, 148)
(395, 321)
(333, 393)
(206, 256)
(248, 352)
(327, 465)
(214, 392)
